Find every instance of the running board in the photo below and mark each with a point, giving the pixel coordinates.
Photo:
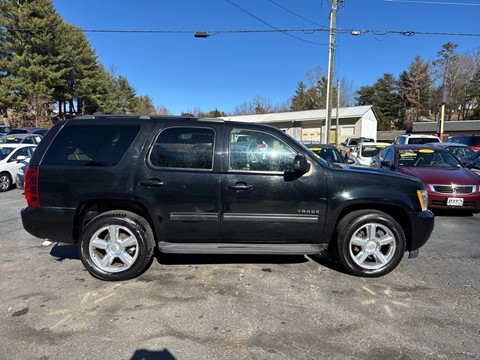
(232, 248)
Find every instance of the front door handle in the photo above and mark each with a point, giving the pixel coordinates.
(239, 186)
(153, 183)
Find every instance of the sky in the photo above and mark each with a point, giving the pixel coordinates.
(246, 56)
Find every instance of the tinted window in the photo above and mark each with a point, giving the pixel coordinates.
(258, 151)
(4, 151)
(26, 151)
(390, 156)
(90, 145)
(383, 153)
(425, 140)
(186, 148)
(475, 141)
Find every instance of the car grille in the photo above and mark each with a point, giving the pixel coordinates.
(454, 189)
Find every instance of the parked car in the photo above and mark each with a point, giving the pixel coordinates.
(459, 150)
(450, 185)
(121, 186)
(328, 152)
(366, 151)
(28, 130)
(472, 162)
(20, 176)
(415, 139)
(4, 129)
(10, 157)
(350, 145)
(21, 139)
(471, 140)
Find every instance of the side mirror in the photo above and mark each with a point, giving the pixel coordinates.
(350, 161)
(300, 164)
(20, 158)
(385, 163)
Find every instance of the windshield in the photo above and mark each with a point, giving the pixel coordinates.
(371, 150)
(10, 140)
(328, 154)
(461, 151)
(4, 152)
(424, 157)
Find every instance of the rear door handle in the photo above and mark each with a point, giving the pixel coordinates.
(240, 186)
(153, 183)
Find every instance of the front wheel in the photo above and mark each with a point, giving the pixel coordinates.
(117, 245)
(369, 243)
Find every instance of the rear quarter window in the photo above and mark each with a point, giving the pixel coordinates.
(90, 145)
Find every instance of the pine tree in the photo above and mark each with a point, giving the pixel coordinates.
(31, 63)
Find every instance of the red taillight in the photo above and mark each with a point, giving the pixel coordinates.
(31, 186)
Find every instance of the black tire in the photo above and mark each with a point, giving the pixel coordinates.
(369, 243)
(127, 256)
(5, 182)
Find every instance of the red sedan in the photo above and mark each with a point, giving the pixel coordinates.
(450, 185)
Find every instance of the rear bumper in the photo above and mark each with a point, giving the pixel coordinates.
(55, 224)
(422, 227)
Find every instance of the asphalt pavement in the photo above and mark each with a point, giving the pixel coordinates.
(239, 307)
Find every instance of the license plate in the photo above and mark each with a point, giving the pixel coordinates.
(455, 201)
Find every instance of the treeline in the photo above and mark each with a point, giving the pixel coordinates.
(416, 94)
(48, 65)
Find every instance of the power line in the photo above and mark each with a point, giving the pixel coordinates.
(308, 31)
(294, 13)
(268, 24)
(434, 2)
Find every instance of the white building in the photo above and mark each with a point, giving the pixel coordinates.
(310, 124)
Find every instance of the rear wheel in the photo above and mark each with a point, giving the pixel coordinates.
(117, 245)
(5, 182)
(369, 243)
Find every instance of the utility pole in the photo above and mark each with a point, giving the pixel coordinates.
(337, 133)
(331, 55)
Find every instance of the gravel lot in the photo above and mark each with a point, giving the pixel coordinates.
(239, 307)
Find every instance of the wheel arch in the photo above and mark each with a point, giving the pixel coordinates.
(92, 208)
(396, 212)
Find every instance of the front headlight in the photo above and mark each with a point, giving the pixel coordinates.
(423, 199)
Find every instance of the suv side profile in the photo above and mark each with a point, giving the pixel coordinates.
(471, 140)
(122, 186)
(415, 139)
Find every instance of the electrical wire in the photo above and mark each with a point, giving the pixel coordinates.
(275, 30)
(268, 24)
(297, 15)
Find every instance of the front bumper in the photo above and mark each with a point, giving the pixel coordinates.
(422, 227)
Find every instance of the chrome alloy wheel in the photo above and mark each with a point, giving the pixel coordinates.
(113, 248)
(372, 246)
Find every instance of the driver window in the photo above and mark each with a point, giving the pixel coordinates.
(389, 156)
(258, 151)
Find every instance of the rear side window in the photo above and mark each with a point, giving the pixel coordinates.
(184, 148)
(90, 145)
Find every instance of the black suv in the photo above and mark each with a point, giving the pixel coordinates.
(122, 186)
(471, 140)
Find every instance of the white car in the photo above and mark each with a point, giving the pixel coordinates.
(10, 161)
(365, 151)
